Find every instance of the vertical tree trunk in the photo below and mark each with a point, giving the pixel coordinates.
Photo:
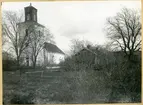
(34, 62)
(44, 53)
(18, 68)
(27, 60)
(18, 64)
(131, 53)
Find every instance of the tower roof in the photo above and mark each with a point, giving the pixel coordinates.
(30, 6)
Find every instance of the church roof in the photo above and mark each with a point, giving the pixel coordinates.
(52, 48)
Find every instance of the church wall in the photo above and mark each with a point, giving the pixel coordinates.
(22, 29)
(49, 58)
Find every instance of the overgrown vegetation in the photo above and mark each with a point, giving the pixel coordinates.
(8, 62)
(121, 75)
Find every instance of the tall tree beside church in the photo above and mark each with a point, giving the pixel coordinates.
(124, 30)
(37, 39)
(19, 41)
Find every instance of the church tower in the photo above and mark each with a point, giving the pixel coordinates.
(30, 13)
(27, 28)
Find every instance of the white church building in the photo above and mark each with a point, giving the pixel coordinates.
(50, 54)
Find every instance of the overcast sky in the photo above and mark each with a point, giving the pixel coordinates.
(71, 20)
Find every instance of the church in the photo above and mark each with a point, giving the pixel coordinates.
(50, 53)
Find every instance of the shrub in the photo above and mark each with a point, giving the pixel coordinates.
(8, 61)
(22, 99)
(9, 65)
(122, 75)
(126, 80)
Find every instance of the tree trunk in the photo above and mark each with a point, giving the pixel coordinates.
(34, 62)
(27, 61)
(130, 55)
(34, 65)
(18, 68)
(18, 64)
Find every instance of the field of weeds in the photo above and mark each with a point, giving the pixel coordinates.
(55, 87)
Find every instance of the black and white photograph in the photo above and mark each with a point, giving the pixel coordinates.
(71, 52)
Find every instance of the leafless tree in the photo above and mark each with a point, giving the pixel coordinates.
(124, 30)
(37, 39)
(18, 40)
(78, 45)
(4, 40)
(49, 37)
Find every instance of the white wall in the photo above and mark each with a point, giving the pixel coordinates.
(50, 58)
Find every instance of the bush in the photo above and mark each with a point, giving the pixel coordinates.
(77, 63)
(69, 64)
(122, 75)
(9, 65)
(126, 80)
(22, 99)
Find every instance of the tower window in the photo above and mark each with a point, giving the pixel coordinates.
(34, 17)
(28, 16)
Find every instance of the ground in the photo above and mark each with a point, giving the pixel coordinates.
(57, 87)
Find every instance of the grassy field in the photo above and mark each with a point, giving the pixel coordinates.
(57, 87)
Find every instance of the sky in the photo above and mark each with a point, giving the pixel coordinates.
(67, 20)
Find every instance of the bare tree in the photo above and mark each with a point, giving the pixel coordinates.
(49, 37)
(78, 45)
(4, 40)
(18, 40)
(38, 38)
(125, 31)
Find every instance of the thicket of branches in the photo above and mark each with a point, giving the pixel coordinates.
(10, 29)
(124, 31)
(122, 76)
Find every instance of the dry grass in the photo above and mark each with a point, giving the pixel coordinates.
(60, 87)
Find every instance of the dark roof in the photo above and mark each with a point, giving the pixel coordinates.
(82, 50)
(30, 6)
(52, 48)
(90, 50)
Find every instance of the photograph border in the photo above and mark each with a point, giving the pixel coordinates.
(1, 71)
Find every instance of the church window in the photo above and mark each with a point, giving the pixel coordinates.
(34, 17)
(34, 14)
(28, 16)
